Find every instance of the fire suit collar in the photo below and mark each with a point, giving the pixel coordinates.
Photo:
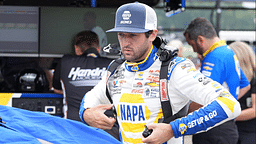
(215, 45)
(143, 65)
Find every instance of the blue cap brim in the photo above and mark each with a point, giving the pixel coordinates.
(128, 30)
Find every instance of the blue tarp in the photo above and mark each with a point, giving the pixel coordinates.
(23, 126)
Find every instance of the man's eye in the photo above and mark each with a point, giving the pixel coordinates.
(131, 35)
(120, 34)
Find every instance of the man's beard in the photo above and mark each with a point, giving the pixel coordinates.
(199, 49)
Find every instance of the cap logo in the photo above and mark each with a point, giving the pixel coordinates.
(126, 18)
(135, 18)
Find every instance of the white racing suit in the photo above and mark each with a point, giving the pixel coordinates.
(134, 89)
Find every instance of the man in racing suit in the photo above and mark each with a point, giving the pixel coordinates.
(134, 87)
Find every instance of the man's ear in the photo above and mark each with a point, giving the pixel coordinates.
(98, 49)
(152, 37)
(200, 40)
(77, 50)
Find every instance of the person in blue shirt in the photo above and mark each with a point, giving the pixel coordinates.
(220, 64)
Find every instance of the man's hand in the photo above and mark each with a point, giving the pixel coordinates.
(95, 117)
(161, 133)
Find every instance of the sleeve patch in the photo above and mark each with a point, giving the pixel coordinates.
(182, 128)
(206, 73)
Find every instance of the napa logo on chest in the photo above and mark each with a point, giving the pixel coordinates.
(132, 112)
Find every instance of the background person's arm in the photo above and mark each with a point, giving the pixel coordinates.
(249, 113)
(243, 91)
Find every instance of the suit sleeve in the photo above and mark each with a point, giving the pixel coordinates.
(94, 97)
(219, 105)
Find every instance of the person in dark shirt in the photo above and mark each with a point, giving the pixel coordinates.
(247, 119)
(77, 74)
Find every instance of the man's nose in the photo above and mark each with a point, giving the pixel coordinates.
(126, 41)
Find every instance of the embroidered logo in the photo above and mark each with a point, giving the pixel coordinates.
(182, 128)
(163, 88)
(126, 18)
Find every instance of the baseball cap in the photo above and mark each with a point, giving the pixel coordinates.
(135, 18)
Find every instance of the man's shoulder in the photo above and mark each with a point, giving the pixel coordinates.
(67, 56)
(176, 61)
(180, 67)
(103, 60)
(222, 53)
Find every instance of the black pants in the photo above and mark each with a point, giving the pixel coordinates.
(226, 133)
(247, 138)
(114, 131)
